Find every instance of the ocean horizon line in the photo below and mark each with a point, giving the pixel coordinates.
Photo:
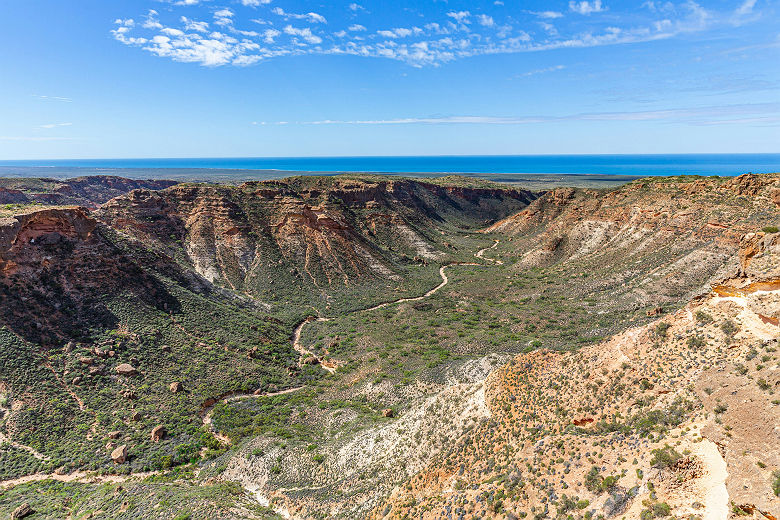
(641, 165)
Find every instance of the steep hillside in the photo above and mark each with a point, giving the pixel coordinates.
(93, 331)
(676, 417)
(320, 241)
(653, 242)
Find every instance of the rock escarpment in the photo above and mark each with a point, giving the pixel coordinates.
(283, 240)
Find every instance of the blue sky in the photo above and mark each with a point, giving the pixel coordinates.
(209, 78)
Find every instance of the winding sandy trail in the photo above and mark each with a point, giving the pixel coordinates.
(5, 440)
(716, 496)
(208, 412)
(479, 254)
(331, 367)
(77, 476)
(303, 351)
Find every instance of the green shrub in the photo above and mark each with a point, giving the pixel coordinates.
(729, 328)
(664, 457)
(696, 342)
(770, 229)
(661, 329)
(597, 484)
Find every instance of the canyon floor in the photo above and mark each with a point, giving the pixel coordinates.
(364, 346)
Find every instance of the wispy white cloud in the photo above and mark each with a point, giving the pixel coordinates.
(485, 20)
(547, 14)
(705, 115)
(304, 33)
(586, 7)
(255, 3)
(192, 25)
(746, 7)
(542, 71)
(224, 17)
(55, 125)
(460, 16)
(312, 17)
(54, 98)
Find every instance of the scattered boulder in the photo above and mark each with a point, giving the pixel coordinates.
(85, 360)
(128, 394)
(158, 433)
(22, 511)
(176, 387)
(114, 435)
(119, 455)
(76, 380)
(135, 417)
(388, 412)
(584, 421)
(126, 369)
(656, 311)
(311, 360)
(165, 348)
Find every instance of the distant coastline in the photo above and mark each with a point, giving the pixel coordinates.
(494, 166)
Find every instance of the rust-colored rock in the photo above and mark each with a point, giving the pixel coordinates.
(657, 311)
(126, 369)
(176, 387)
(158, 433)
(119, 455)
(22, 511)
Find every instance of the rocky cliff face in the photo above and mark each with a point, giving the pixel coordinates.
(279, 239)
(55, 265)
